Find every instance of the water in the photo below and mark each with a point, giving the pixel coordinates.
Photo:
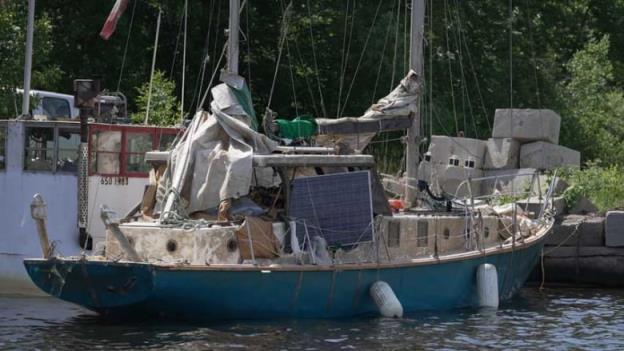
(552, 319)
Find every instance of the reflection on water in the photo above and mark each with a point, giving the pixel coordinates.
(552, 319)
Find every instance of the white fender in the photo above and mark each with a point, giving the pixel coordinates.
(487, 285)
(386, 300)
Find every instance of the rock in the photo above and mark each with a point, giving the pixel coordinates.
(583, 206)
(464, 152)
(614, 229)
(527, 125)
(542, 155)
(590, 231)
(501, 153)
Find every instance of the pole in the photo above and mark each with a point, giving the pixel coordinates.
(413, 133)
(184, 61)
(28, 57)
(233, 27)
(149, 93)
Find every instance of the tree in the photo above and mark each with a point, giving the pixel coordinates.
(164, 107)
(13, 19)
(594, 115)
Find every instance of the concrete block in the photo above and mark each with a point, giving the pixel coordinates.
(542, 155)
(465, 152)
(527, 125)
(501, 153)
(452, 178)
(600, 266)
(590, 231)
(614, 229)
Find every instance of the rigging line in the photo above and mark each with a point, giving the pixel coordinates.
(450, 69)
(199, 82)
(343, 58)
(511, 17)
(283, 35)
(216, 34)
(430, 43)
(465, 91)
(184, 61)
(248, 42)
(318, 79)
(381, 60)
(149, 93)
(177, 44)
(533, 57)
(305, 78)
(477, 84)
(290, 70)
(357, 67)
(396, 43)
(405, 39)
(123, 60)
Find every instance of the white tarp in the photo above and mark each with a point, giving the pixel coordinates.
(214, 160)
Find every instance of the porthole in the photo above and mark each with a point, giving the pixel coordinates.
(232, 245)
(172, 246)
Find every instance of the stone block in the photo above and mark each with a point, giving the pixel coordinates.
(614, 229)
(501, 153)
(527, 125)
(465, 152)
(590, 231)
(542, 155)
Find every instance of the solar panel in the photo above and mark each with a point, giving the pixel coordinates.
(337, 207)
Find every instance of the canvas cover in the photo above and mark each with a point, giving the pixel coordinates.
(213, 160)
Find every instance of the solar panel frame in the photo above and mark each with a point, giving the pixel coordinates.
(342, 220)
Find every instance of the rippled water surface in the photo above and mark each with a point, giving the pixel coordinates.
(551, 319)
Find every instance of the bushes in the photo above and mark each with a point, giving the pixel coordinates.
(164, 106)
(603, 186)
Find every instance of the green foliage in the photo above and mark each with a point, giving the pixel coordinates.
(164, 106)
(595, 107)
(601, 185)
(13, 19)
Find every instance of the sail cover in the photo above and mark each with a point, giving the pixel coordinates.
(392, 112)
(214, 159)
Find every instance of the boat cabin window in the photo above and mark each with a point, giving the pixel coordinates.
(3, 140)
(55, 107)
(119, 150)
(51, 148)
(137, 144)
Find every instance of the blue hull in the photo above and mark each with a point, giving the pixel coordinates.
(205, 293)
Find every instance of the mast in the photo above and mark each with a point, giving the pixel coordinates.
(417, 29)
(28, 57)
(233, 27)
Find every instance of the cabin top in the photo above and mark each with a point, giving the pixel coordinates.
(53, 146)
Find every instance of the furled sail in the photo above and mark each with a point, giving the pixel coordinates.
(392, 112)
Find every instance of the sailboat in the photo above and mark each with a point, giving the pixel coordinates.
(245, 228)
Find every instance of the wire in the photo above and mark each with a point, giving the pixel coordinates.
(316, 70)
(123, 60)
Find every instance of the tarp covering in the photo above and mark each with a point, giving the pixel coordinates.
(213, 160)
(393, 112)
